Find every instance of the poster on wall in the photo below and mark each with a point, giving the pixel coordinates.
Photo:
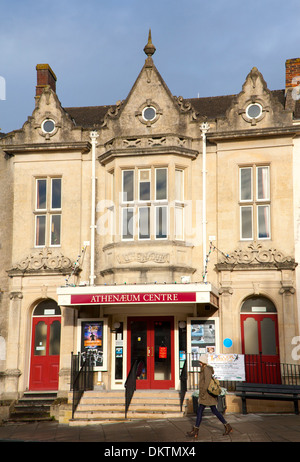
(203, 336)
(92, 342)
(228, 366)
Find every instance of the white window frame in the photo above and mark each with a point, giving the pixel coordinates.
(155, 192)
(255, 202)
(156, 223)
(122, 194)
(47, 212)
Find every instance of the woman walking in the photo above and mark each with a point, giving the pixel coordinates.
(206, 399)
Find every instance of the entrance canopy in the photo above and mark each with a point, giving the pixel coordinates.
(138, 294)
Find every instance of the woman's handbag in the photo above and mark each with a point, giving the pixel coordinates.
(214, 387)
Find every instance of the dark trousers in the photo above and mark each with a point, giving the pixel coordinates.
(214, 410)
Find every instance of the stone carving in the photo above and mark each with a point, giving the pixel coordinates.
(112, 113)
(186, 106)
(143, 257)
(257, 256)
(43, 260)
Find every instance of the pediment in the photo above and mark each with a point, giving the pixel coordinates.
(49, 123)
(255, 107)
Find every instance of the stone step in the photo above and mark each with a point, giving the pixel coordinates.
(32, 407)
(98, 407)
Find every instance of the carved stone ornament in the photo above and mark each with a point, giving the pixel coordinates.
(256, 257)
(43, 261)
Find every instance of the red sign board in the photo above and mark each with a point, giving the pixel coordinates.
(107, 299)
(162, 352)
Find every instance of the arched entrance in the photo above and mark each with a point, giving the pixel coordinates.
(260, 341)
(45, 346)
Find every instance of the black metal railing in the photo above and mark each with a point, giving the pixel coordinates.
(256, 371)
(183, 383)
(130, 385)
(81, 377)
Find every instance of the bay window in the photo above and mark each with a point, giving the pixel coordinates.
(145, 203)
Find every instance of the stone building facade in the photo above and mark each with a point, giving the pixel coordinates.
(151, 229)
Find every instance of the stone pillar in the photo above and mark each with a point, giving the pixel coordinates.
(67, 345)
(13, 372)
(290, 322)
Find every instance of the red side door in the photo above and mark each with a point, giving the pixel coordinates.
(260, 345)
(45, 349)
(151, 342)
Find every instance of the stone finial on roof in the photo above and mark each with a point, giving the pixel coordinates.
(149, 48)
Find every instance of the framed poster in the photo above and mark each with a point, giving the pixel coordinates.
(93, 341)
(202, 338)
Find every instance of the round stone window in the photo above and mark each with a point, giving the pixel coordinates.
(254, 111)
(149, 113)
(48, 126)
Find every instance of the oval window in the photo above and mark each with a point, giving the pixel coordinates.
(254, 111)
(48, 126)
(149, 113)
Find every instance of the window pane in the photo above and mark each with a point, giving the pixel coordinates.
(179, 185)
(144, 185)
(251, 336)
(54, 344)
(128, 177)
(246, 184)
(56, 193)
(178, 223)
(41, 191)
(40, 230)
(268, 337)
(40, 339)
(263, 219)
(161, 184)
(55, 229)
(144, 222)
(263, 183)
(246, 222)
(161, 222)
(127, 224)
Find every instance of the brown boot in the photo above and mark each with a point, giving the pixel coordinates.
(193, 433)
(228, 429)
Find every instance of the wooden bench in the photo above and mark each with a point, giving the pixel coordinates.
(268, 391)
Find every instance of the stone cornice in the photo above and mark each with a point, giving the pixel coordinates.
(14, 149)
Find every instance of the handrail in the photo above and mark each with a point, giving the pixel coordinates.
(183, 383)
(130, 385)
(81, 377)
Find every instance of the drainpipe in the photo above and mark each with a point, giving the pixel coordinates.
(93, 135)
(204, 129)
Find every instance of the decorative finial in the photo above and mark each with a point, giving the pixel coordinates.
(149, 48)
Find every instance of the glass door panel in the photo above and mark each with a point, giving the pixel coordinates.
(139, 347)
(162, 348)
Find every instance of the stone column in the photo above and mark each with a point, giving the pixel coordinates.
(13, 372)
(67, 345)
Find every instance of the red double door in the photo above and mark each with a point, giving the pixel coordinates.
(45, 353)
(151, 343)
(260, 345)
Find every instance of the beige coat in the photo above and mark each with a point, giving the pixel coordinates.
(204, 397)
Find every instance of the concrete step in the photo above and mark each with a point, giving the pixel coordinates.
(97, 407)
(32, 407)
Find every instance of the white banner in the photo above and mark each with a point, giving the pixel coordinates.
(228, 366)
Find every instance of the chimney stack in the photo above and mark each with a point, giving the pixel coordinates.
(45, 77)
(292, 71)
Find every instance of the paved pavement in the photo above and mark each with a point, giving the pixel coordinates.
(251, 428)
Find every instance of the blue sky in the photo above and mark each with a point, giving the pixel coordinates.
(95, 47)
